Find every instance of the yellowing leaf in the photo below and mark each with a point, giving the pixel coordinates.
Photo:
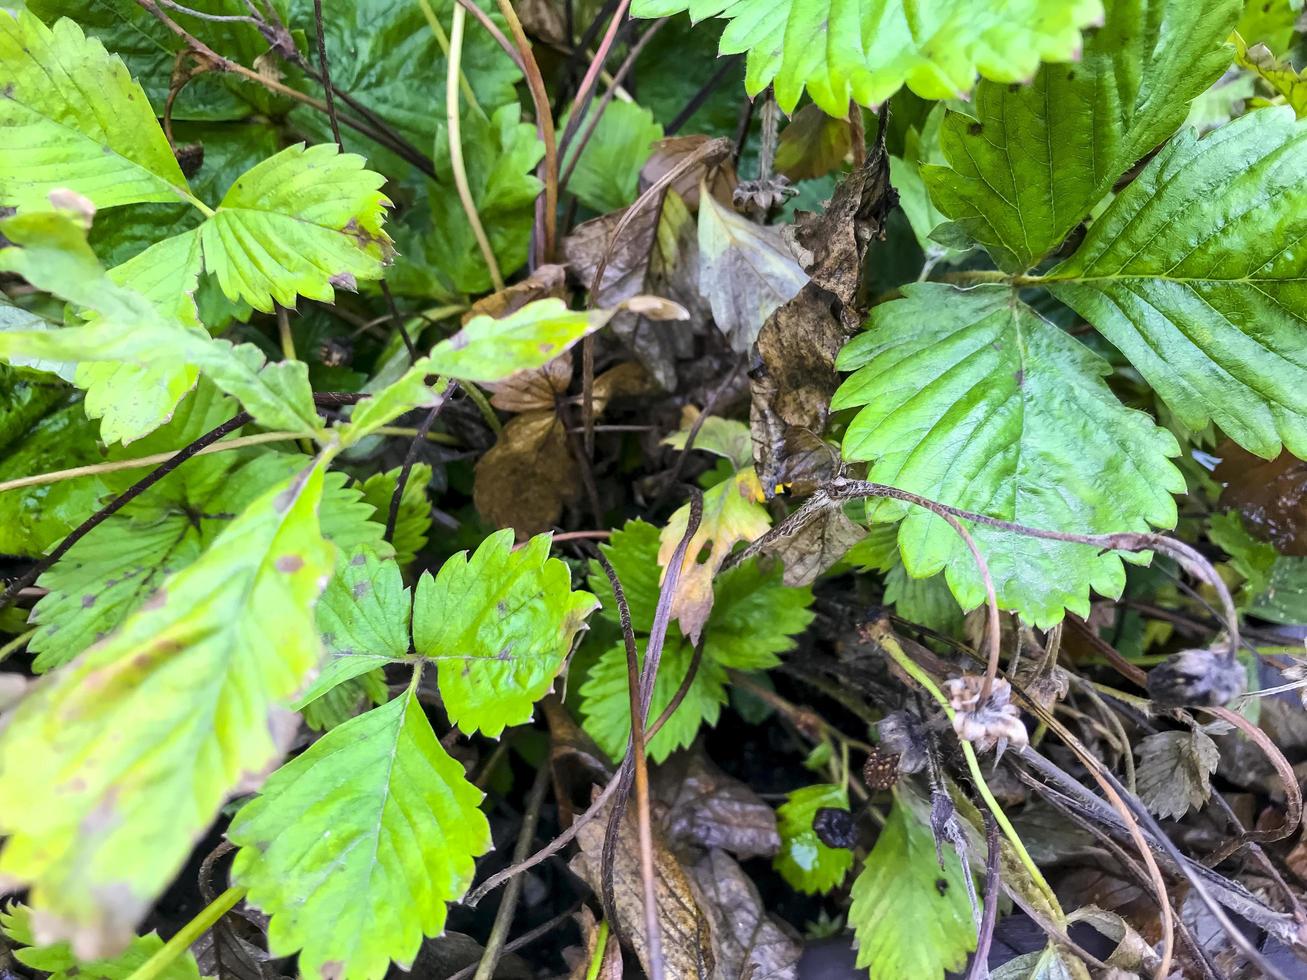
(113, 766)
(1277, 73)
(732, 512)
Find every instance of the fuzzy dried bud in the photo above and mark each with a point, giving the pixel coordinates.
(902, 735)
(835, 827)
(994, 724)
(335, 351)
(759, 197)
(1200, 678)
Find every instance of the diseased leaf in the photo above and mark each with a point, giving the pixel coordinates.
(745, 269)
(355, 846)
(98, 827)
(301, 223)
(607, 173)
(707, 808)
(804, 861)
(865, 50)
(1036, 158)
(71, 117)
(57, 959)
(1008, 416)
(1190, 274)
(902, 892)
(498, 626)
(1174, 772)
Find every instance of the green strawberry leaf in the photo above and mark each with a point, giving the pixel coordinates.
(498, 626)
(970, 398)
(189, 685)
(414, 518)
(355, 846)
(57, 959)
(1031, 161)
(1191, 273)
(804, 861)
(903, 892)
(865, 50)
(607, 174)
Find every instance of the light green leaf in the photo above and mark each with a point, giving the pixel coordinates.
(1036, 158)
(488, 350)
(57, 959)
(865, 50)
(804, 861)
(35, 519)
(607, 175)
(1269, 22)
(363, 617)
(298, 224)
(970, 398)
(1191, 273)
(606, 705)
(189, 685)
(902, 892)
(71, 117)
(410, 391)
(721, 437)
(355, 846)
(633, 552)
(1276, 72)
(499, 626)
(746, 270)
(414, 518)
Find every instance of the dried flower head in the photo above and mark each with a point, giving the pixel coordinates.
(335, 351)
(1201, 678)
(835, 827)
(758, 197)
(901, 734)
(881, 770)
(994, 724)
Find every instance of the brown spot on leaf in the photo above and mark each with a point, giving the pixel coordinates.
(344, 280)
(156, 600)
(1020, 377)
(975, 129)
(332, 970)
(941, 885)
(88, 601)
(290, 563)
(359, 559)
(361, 589)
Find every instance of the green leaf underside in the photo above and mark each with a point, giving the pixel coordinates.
(911, 917)
(1196, 273)
(971, 399)
(804, 861)
(355, 846)
(71, 116)
(499, 626)
(112, 767)
(865, 50)
(57, 959)
(1031, 161)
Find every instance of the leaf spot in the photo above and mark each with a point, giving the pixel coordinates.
(156, 600)
(88, 601)
(290, 563)
(941, 885)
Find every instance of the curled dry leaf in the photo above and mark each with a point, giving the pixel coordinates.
(994, 724)
(746, 941)
(544, 282)
(707, 808)
(527, 476)
(687, 930)
(536, 390)
(1201, 678)
(671, 152)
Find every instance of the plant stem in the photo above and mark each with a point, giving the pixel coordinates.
(601, 947)
(456, 147)
(193, 930)
(444, 43)
(478, 398)
(16, 643)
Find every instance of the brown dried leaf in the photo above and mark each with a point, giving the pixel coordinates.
(816, 546)
(670, 152)
(747, 942)
(812, 145)
(625, 380)
(686, 930)
(610, 968)
(1270, 494)
(546, 281)
(527, 476)
(709, 809)
(536, 390)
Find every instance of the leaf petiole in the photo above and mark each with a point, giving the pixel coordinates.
(177, 946)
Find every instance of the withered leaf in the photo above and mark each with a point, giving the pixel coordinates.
(1175, 770)
(1270, 494)
(709, 809)
(687, 939)
(816, 546)
(671, 152)
(524, 480)
(745, 269)
(747, 942)
(536, 390)
(812, 145)
(545, 281)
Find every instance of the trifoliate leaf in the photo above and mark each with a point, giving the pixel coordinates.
(363, 617)
(755, 618)
(346, 700)
(973, 400)
(1175, 771)
(71, 117)
(499, 157)
(498, 626)
(488, 350)
(804, 861)
(606, 705)
(865, 50)
(34, 519)
(301, 223)
(1187, 273)
(1036, 158)
(911, 917)
(414, 518)
(355, 846)
(607, 175)
(732, 512)
(746, 270)
(57, 959)
(189, 687)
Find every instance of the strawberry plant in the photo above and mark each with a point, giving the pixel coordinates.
(478, 474)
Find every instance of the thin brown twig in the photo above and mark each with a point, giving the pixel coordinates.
(396, 498)
(528, 937)
(327, 88)
(989, 917)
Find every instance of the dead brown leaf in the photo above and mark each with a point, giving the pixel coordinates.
(536, 390)
(544, 282)
(816, 546)
(687, 940)
(1270, 494)
(812, 145)
(524, 480)
(746, 941)
(671, 152)
(707, 808)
